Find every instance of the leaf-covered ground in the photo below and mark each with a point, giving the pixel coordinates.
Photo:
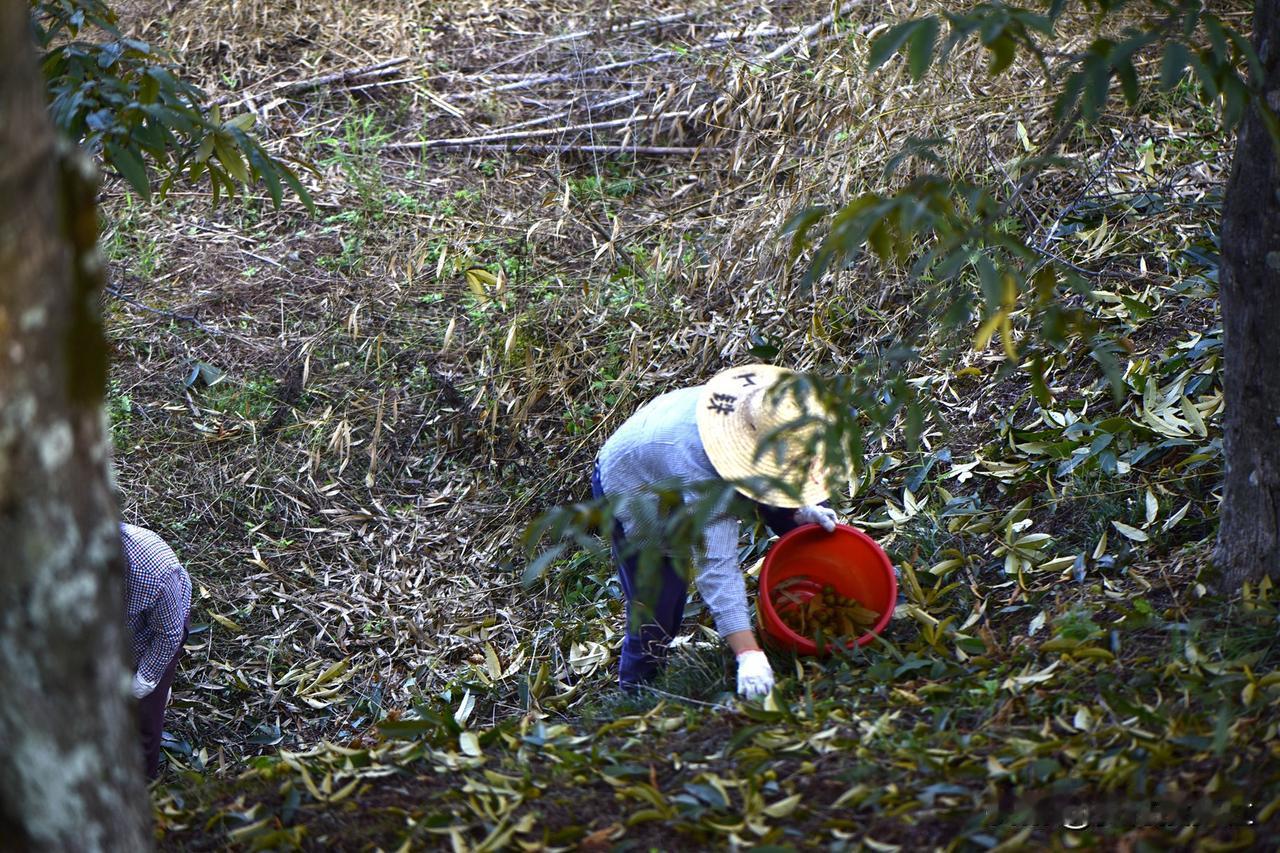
(407, 378)
(1015, 741)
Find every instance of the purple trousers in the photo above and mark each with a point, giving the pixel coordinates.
(151, 714)
(644, 651)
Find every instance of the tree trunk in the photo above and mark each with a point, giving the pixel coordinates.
(70, 759)
(1249, 280)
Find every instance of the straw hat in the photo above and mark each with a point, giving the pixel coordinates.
(737, 415)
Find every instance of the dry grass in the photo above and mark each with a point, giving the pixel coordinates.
(354, 490)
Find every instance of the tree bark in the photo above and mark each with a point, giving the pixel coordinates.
(1249, 281)
(70, 760)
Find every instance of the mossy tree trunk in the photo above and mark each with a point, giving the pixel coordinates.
(70, 761)
(1249, 536)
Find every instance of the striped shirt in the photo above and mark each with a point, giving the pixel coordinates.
(158, 594)
(660, 442)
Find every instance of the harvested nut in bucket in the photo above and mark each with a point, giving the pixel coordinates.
(833, 614)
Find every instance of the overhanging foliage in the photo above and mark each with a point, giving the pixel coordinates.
(124, 101)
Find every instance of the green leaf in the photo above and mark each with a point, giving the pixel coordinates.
(890, 42)
(1173, 65)
(1206, 73)
(1140, 310)
(992, 290)
(1039, 389)
(151, 138)
(798, 225)
(1003, 49)
(1041, 23)
(1235, 97)
(299, 190)
(920, 47)
(1111, 369)
(1097, 83)
(216, 179)
(881, 241)
(1128, 78)
(1045, 281)
(1217, 38)
(1245, 49)
(148, 89)
(913, 426)
(267, 171)
(205, 149)
(242, 122)
(1066, 101)
(407, 729)
(540, 563)
(128, 164)
(229, 156)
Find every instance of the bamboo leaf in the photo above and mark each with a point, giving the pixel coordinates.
(479, 280)
(1193, 417)
(1130, 532)
(128, 164)
(1173, 64)
(470, 744)
(540, 563)
(491, 662)
(1003, 48)
(1172, 520)
(920, 47)
(229, 624)
(889, 42)
(229, 156)
(783, 808)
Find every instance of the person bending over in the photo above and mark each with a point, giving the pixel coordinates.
(694, 435)
(158, 595)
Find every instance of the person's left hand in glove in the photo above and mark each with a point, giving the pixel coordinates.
(815, 514)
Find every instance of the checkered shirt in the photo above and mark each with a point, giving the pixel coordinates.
(661, 442)
(158, 600)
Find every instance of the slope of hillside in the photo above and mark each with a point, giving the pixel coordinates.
(532, 219)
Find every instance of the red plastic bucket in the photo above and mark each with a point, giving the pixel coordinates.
(847, 559)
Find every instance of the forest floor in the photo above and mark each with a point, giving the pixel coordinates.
(410, 375)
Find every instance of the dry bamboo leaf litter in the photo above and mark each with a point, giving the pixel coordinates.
(376, 522)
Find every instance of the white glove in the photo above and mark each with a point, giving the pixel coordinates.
(814, 514)
(755, 676)
(141, 687)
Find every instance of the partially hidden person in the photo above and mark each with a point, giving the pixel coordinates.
(733, 428)
(158, 607)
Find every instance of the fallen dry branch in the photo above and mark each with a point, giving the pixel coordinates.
(114, 292)
(542, 147)
(296, 87)
(380, 83)
(525, 82)
(562, 76)
(612, 30)
(596, 107)
(618, 29)
(802, 36)
(462, 141)
(805, 35)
